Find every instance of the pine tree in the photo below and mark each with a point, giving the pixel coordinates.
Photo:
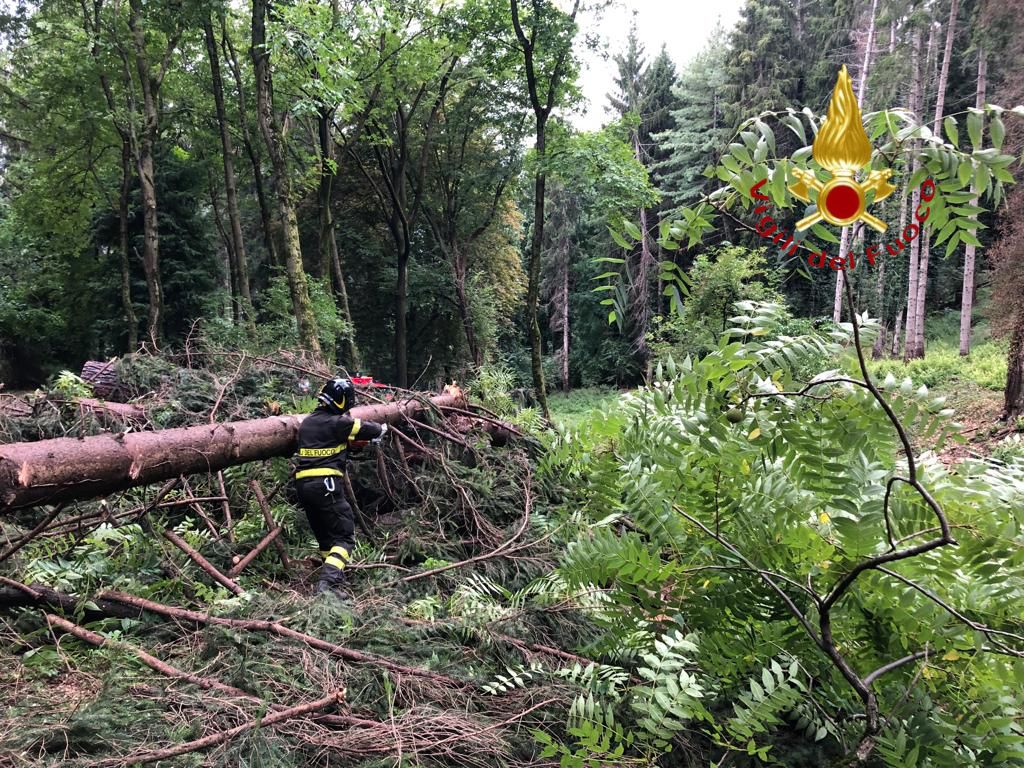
(646, 93)
(698, 125)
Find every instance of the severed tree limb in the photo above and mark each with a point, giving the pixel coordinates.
(219, 738)
(201, 561)
(282, 550)
(163, 668)
(226, 507)
(48, 471)
(264, 543)
(14, 594)
(276, 628)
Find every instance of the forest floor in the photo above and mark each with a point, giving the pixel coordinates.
(456, 599)
(131, 653)
(973, 388)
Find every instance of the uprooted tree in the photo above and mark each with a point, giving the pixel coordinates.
(62, 469)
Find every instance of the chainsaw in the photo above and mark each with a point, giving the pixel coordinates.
(367, 381)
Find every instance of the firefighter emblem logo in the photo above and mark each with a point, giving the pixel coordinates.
(842, 148)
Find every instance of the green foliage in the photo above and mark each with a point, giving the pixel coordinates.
(276, 327)
(943, 367)
(671, 697)
(718, 278)
(699, 128)
(69, 385)
(492, 387)
(794, 488)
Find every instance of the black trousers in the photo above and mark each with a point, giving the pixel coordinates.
(330, 517)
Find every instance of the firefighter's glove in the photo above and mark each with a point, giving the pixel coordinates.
(383, 431)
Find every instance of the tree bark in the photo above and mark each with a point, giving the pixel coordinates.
(542, 110)
(274, 138)
(1014, 392)
(122, 225)
(147, 168)
(460, 274)
(270, 234)
(564, 309)
(915, 199)
(896, 333)
(533, 288)
(844, 240)
(329, 256)
(967, 295)
(233, 311)
(239, 261)
(844, 250)
(642, 303)
(49, 471)
(37, 596)
(940, 102)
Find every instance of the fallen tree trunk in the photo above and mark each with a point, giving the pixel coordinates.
(64, 469)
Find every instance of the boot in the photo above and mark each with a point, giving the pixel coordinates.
(335, 587)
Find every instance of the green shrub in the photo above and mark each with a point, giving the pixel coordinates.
(942, 366)
(720, 278)
(739, 512)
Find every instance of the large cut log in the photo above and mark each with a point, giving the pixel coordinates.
(104, 379)
(49, 471)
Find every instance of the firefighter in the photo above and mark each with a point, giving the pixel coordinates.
(325, 437)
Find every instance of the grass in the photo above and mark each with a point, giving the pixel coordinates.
(942, 368)
(594, 411)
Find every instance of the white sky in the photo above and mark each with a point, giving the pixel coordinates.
(682, 25)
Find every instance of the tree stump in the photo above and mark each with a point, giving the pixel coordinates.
(104, 379)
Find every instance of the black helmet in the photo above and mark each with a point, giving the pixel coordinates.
(338, 395)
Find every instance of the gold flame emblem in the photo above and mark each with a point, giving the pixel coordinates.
(842, 148)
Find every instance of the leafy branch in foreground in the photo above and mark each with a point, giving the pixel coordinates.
(768, 505)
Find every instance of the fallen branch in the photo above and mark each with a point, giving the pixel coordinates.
(219, 738)
(201, 561)
(279, 629)
(226, 508)
(282, 550)
(17, 595)
(33, 533)
(163, 668)
(265, 542)
(504, 549)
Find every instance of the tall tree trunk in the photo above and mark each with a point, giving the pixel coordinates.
(642, 300)
(459, 270)
(270, 229)
(533, 285)
(402, 313)
(239, 261)
(330, 258)
(844, 250)
(274, 138)
(564, 308)
(1014, 392)
(233, 311)
(147, 175)
(896, 333)
(915, 199)
(122, 225)
(967, 295)
(940, 103)
(844, 240)
(542, 110)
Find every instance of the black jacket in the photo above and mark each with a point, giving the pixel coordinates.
(324, 438)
